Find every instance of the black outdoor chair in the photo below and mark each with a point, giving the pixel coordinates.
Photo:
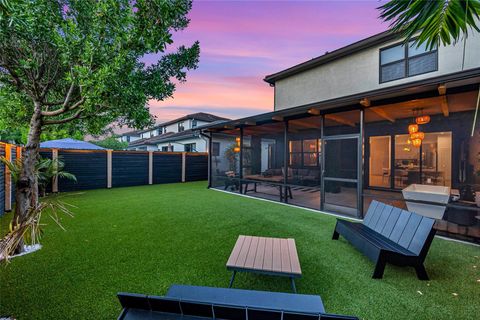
(196, 303)
(390, 234)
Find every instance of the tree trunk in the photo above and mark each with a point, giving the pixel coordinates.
(26, 194)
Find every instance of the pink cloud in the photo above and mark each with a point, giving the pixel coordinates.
(242, 41)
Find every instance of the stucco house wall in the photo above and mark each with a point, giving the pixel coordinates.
(359, 72)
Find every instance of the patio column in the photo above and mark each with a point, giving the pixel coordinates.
(360, 166)
(285, 160)
(240, 173)
(109, 169)
(322, 165)
(8, 179)
(209, 159)
(150, 167)
(55, 177)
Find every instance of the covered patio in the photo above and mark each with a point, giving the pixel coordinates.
(339, 155)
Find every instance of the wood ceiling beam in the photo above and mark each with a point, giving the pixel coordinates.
(382, 113)
(365, 102)
(444, 106)
(442, 89)
(340, 119)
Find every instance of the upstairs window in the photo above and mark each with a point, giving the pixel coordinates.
(402, 61)
(194, 123)
(190, 147)
(181, 126)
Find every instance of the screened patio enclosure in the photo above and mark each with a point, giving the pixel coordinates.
(339, 156)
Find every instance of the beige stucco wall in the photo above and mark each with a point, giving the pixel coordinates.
(359, 73)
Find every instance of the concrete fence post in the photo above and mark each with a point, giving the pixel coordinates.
(150, 167)
(184, 163)
(109, 169)
(55, 177)
(8, 179)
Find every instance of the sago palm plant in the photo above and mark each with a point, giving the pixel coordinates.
(28, 230)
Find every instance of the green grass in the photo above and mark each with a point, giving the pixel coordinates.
(144, 239)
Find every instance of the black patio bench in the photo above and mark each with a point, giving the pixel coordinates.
(196, 303)
(390, 234)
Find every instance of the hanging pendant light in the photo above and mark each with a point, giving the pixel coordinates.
(416, 142)
(422, 119)
(417, 135)
(413, 128)
(237, 147)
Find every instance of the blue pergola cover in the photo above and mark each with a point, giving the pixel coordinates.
(69, 143)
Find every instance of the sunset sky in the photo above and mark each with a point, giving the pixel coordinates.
(242, 41)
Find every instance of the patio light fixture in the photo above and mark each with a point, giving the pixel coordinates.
(236, 149)
(417, 135)
(413, 128)
(422, 119)
(417, 142)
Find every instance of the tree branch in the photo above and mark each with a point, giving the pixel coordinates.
(63, 109)
(65, 120)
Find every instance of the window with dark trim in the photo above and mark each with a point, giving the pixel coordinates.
(190, 147)
(400, 61)
(215, 149)
(304, 153)
(181, 126)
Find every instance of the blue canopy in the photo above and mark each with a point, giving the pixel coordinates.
(69, 143)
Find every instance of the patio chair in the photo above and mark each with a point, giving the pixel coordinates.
(390, 234)
(194, 302)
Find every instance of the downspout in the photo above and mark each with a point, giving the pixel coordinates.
(208, 138)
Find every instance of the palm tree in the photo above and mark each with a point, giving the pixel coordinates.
(436, 21)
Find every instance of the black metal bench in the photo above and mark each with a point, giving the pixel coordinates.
(390, 234)
(196, 303)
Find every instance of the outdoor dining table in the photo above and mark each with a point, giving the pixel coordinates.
(270, 256)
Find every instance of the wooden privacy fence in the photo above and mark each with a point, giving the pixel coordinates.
(95, 169)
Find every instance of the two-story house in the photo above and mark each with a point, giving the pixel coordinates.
(181, 134)
(362, 123)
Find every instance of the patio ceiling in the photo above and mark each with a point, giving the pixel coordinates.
(439, 95)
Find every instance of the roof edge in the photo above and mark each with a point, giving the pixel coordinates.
(338, 53)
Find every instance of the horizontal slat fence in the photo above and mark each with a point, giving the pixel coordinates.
(167, 167)
(96, 169)
(129, 169)
(89, 167)
(2, 180)
(196, 167)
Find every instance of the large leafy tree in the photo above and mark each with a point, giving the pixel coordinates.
(112, 143)
(78, 63)
(435, 21)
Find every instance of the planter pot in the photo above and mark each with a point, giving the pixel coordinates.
(477, 198)
(434, 194)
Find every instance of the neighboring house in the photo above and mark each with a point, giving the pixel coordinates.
(344, 124)
(181, 134)
(130, 136)
(69, 143)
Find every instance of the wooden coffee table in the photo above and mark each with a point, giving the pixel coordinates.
(271, 256)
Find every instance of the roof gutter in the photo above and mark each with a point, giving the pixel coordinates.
(330, 56)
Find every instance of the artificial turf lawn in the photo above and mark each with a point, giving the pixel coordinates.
(143, 239)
